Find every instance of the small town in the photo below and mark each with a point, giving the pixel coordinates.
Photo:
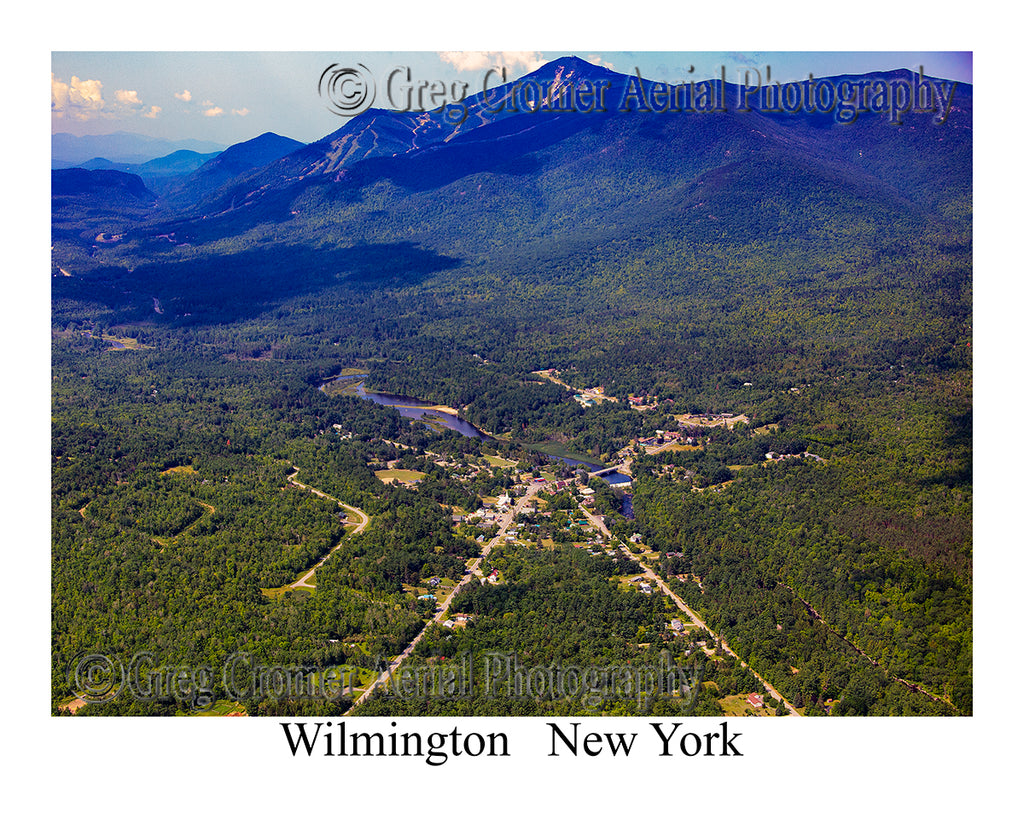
(562, 503)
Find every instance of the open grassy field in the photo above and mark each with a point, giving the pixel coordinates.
(403, 475)
(736, 705)
(716, 421)
(494, 460)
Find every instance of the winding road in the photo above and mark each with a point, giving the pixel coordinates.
(473, 574)
(364, 520)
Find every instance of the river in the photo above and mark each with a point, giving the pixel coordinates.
(589, 466)
(410, 408)
(424, 412)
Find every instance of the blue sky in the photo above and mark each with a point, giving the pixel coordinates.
(229, 97)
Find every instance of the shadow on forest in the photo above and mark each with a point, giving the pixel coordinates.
(242, 285)
(958, 444)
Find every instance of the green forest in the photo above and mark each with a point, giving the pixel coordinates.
(827, 538)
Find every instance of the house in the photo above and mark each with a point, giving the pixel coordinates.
(755, 701)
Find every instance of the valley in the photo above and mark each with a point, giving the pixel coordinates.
(763, 319)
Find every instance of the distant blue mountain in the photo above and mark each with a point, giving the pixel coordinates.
(68, 150)
(251, 154)
(227, 165)
(179, 162)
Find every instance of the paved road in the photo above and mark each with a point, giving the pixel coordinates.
(364, 520)
(473, 574)
(654, 577)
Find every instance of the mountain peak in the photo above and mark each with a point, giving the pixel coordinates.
(574, 62)
(570, 66)
(255, 152)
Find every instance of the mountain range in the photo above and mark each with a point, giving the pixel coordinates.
(791, 284)
(421, 151)
(516, 187)
(120, 147)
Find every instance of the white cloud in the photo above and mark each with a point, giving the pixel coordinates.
(153, 112)
(86, 92)
(58, 93)
(480, 60)
(127, 97)
(212, 110)
(595, 59)
(240, 112)
(184, 96)
(79, 99)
